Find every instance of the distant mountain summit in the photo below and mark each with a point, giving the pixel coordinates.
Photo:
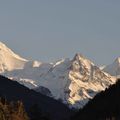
(89, 80)
(114, 68)
(9, 60)
(74, 82)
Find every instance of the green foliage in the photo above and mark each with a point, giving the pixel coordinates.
(12, 111)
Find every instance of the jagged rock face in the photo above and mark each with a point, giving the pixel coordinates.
(72, 81)
(86, 81)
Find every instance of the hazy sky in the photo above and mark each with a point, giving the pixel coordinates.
(48, 30)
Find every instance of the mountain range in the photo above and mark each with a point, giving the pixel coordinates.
(72, 81)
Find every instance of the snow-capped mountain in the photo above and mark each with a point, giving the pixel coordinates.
(114, 68)
(73, 82)
(8, 60)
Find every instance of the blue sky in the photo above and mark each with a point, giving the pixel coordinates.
(48, 30)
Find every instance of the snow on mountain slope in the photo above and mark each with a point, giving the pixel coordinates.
(72, 81)
(102, 67)
(9, 60)
(114, 68)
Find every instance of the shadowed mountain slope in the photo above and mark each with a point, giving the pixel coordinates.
(13, 91)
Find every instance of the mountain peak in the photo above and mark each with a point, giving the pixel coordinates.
(114, 68)
(117, 60)
(78, 56)
(9, 60)
(2, 45)
(80, 59)
(6, 51)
